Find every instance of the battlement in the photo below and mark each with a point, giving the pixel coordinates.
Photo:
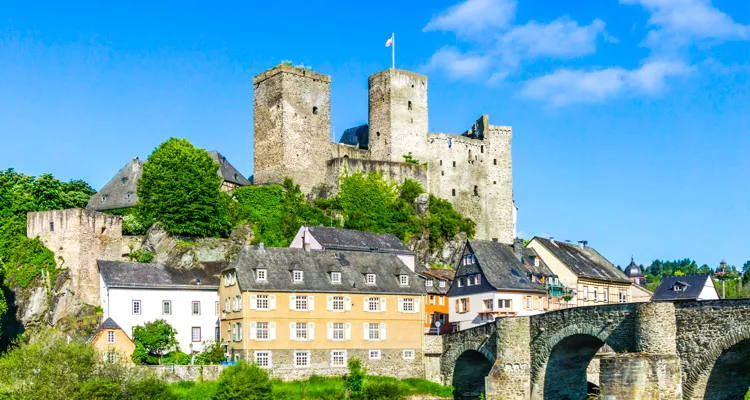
(404, 75)
(76, 221)
(283, 68)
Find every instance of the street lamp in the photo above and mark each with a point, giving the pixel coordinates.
(192, 357)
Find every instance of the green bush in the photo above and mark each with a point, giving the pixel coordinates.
(153, 340)
(150, 389)
(99, 389)
(383, 390)
(213, 353)
(355, 379)
(243, 381)
(177, 358)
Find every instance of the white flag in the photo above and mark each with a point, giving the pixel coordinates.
(388, 43)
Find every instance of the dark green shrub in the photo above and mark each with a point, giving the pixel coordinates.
(355, 379)
(99, 389)
(150, 389)
(383, 390)
(243, 381)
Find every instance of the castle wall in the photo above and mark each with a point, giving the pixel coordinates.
(292, 126)
(78, 238)
(339, 150)
(391, 170)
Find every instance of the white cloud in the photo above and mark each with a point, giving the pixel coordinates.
(562, 38)
(678, 22)
(566, 86)
(473, 16)
(457, 64)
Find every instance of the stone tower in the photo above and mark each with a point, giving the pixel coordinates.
(292, 126)
(398, 115)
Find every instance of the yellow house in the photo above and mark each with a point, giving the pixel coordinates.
(300, 312)
(112, 343)
(593, 279)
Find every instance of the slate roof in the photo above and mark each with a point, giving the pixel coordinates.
(438, 274)
(528, 261)
(358, 136)
(348, 239)
(227, 171)
(633, 270)
(584, 262)
(120, 191)
(117, 274)
(501, 267)
(694, 287)
(317, 265)
(109, 323)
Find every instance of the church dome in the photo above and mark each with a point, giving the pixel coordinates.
(633, 270)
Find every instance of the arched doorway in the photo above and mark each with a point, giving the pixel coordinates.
(469, 373)
(565, 377)
(730, 375)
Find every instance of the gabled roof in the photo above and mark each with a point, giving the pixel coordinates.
(120, 191)
(501, 268)
(227, 171)
(584, 262)
(692, 287)
(358, 136)
(109, 323)
(437, 275)
(317, 266)
(348, 239)
(118, 274)
(529, 254)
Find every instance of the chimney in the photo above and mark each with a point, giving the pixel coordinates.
(518, 248)
(306, 239)
(552, 239)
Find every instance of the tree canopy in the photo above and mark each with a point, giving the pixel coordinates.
(180, 188)
(153, 340)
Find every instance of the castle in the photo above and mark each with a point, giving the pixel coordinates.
(293, 139)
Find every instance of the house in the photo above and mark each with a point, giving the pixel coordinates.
(493, 281)
(686, 288)
(590, 277)
(437, 281)
(122, 190)
(112, 343)
(300, 312)
(635, 274)
(323, 238)
(187, 299)
(639, 294)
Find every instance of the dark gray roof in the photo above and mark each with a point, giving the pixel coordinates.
(529, 254)
(358, 136)
(120, 191)
(159, 276)
(109, 323)
(317, 265)
(436, 275)
(227, 171)
(633, 270)
(348, 239)
(693, 286)
(584, 262)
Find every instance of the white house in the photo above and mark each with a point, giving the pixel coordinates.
(497, 280)
(188, 299)
(686, 288)
(323, 238)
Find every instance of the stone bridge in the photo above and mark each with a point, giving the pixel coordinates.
(693, 350)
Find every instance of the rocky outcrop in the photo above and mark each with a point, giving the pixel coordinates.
(448, 252)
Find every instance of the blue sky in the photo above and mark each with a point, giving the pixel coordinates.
(630, 117)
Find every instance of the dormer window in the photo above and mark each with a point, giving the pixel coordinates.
(536, 261)
(261, 275)
(429, 283)
(679, 287)
(335, 277)
(370, 279)
(403, 280)
(469, 259)
(297, 276)
(442, 284)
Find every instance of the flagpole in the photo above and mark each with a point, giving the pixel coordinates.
(393, 51)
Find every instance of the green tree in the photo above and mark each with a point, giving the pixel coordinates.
(150, 389)
(243, 381)
(213, 353)
(355, 380)
(180, 188)
(153, 341)
(99, 388)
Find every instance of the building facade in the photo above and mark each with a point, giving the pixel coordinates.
(299, 312)
(492, 281)
(437, 282)
(591, 278)
(293, 139)
(686, 288)
(112, 343)
(187, 299)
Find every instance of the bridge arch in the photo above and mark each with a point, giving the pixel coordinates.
(722, 370)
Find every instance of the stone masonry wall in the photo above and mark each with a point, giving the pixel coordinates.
(394, 171)
(638, 376)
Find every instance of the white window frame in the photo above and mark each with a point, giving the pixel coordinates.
(408, 354)
(374, 327)
(339, 353)
(262, 298)
(298, 276)
(192, 334)
(373, 300)
(167, 303)
(136, 304)
(258, 330)
(301, 301)
(111, 357)
(110, 337)
(301, 353)
(305, 330)
(263, 354)
(374, 354)
(192, 308)
(338, 300)
(370, 279)
(342, 331)
(261, 274)
(442, 284)
(403, 280)
(335, 277)
(411, 304)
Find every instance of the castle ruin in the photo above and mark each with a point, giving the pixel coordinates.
(293, 139)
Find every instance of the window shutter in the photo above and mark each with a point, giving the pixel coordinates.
(348, 303)
(272, 302)
(253, 302)
(400, 304)
(240, 330)
(457, 309)
(292, 301)
(272, 330)
(253, 331)
(382, 304)
(348, 331)
(364, 303)
(292, 331)
(468, 304)
(310, 303)
(330, 303)
(382, 331)
(310, 330)
(364, 331)
(330, 331)
(416, 305)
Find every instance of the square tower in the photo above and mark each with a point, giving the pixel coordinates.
(292, 109)
(397, 115)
